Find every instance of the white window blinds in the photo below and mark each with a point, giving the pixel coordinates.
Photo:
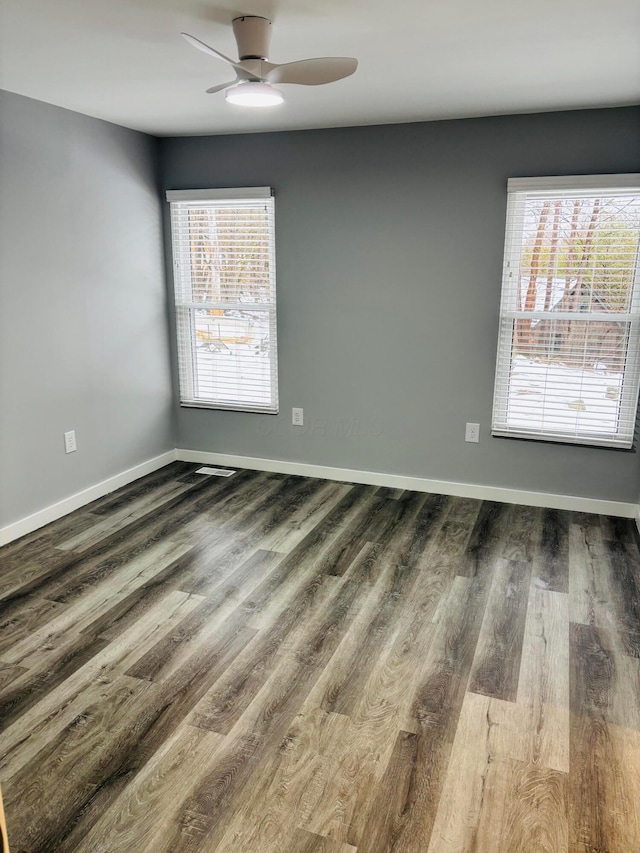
(225, 296)
(568, 366)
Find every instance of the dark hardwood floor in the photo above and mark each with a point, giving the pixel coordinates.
(274, 663)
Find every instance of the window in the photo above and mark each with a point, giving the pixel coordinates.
(225, 294)
(568, 365)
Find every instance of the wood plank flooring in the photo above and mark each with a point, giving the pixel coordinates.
(278, 664)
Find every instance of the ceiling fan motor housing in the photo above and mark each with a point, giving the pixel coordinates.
(253, 36)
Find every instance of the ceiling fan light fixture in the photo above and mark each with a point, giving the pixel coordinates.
(254, 94)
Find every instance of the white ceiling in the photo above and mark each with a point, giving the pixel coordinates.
(124, 60)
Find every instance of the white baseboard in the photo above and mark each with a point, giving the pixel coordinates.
(80, 499)
(322, 472)
(416, 484)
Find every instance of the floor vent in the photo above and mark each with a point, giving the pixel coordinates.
(216, 472)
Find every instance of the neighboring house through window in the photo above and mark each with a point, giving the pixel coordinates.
(568, 366)
(225, 297)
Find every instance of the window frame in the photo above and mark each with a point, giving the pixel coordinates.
(518, 191)
(185, 335)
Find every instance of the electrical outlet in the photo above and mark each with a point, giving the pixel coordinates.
(297, 417)
(70, 441)
(472, 433)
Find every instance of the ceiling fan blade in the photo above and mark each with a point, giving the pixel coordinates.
(221, 86)
(211, 51)
(313, 72)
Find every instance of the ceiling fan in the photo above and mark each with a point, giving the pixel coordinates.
(255, 75)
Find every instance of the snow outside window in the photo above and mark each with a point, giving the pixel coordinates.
(568, 349)
(225, 296)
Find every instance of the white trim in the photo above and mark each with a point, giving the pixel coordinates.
(594, 440)
(570, 182)
(548, 419)
(322, 472)
(416, 484)
(219, 194)
(80, 499)
(224, 388)
(603, 317)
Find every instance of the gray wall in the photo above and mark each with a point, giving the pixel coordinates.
(83, 325)
(389, 253)
(389, 244)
